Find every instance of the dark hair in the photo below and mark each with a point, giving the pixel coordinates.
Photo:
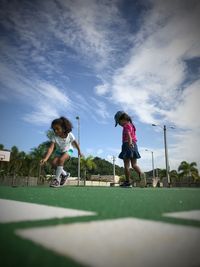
(125, 117)
(64, 123)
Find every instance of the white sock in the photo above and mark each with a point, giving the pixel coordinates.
(58, 172)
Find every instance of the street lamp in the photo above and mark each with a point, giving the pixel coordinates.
(152, 158)
(79, 158)
(166, 151)
(113, 158)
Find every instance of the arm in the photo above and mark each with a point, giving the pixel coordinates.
(130, 141)
(76, 145)
(48, 154)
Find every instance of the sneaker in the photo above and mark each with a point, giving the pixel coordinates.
(64, 178)
(125, 184)
(55, 183)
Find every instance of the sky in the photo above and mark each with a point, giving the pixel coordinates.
(91, 58)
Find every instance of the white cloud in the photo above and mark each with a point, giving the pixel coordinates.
(84, 30)
(118, 161)
(145, 162)
(46, 100)
(185, 147)
(99, 151)
(53, 95)
(186, 112)
(148, 79)
(150, 84)
(43, 114)
(102, 89)
(84, 27)
(153, 84)
(182, 146)
(100, 108)
(45, 108)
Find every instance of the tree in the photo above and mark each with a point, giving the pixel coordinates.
(188, 170)
(105, 167)
(1, 147)
(71, 166)
(162, 174)
(173, 175)
(87, 164)
(16, 162)
(36, 155)
(50, 134)
(3, 164)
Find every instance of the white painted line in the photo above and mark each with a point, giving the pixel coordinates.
(124, 242)
(188, 215)
(15, 211)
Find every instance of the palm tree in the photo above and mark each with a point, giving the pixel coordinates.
(87, 164)
(50, 134)
(35, 156)
(16, 161)
(173, 175)
(1, 162)
(188, 170)
(1, 147)
(162, 174)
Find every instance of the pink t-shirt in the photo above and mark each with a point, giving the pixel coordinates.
(129, 128)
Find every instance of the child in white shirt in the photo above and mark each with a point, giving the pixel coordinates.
(64, 142)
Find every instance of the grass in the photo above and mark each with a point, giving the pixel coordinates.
(107, 202)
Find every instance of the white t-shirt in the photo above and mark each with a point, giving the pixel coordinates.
(63, 144)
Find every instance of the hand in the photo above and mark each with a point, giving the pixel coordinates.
(131, 145)
(80, 154)
(42, 161)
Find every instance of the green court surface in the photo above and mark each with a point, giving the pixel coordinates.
(154, 218)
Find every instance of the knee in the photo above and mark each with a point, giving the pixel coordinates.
(53, 164)
(60, 163)
(134, 165)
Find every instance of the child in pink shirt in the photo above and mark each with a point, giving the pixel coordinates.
(129, 152)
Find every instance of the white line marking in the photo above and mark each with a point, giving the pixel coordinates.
(188, 215)
(121, 242)
(15, 211)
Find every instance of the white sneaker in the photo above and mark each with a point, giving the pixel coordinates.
(55, 183)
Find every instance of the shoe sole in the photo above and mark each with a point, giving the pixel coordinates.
(126, 186)
(54, 185)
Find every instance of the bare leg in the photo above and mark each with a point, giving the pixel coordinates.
(136, 167)
(59, 161)
(138, 170)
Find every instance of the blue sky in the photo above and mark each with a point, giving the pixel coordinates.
(91, 58)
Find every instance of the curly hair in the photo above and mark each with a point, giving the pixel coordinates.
(64, 123)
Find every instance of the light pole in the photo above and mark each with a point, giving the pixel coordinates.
(166, 151)
(152, 160)
(113, 168)
(79, 158)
